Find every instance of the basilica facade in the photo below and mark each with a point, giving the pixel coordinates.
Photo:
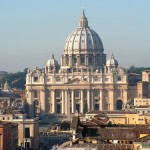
(83, 81)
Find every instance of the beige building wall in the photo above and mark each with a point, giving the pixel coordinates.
(146, 76)
(141, 101)
(23, 122)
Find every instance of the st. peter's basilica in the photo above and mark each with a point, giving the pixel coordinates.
(82, 82)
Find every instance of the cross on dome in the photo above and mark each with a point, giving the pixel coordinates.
(112, 56)
(83, 20)
(52, 56)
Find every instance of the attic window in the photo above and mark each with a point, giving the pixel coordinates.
(96, 78)
(35, 79)
(57, 79)
(106, 79)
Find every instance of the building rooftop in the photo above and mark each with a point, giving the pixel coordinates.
(111, 112)
(4, 124)
(101, 146)
(11, 111)
(143, 106)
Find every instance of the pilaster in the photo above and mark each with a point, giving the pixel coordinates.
(63, 101)
(82, 101)
(88, 100)
(72, 101)
(53, 101)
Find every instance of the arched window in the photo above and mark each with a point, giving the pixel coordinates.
(119, 104)
(78, 107)
(96, 107)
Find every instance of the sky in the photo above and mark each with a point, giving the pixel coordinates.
(31, 30)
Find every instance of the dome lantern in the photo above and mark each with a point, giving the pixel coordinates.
(83, 20)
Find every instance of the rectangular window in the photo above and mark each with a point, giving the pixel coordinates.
(119, 78)
(35, 94)
(58, 95)
(77, 94)
(27, 132)
(96, 93)
(85, 93)
(82, 60)
(90, 60)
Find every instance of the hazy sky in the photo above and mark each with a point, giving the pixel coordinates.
(31, 30)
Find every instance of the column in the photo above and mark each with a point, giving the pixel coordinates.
(63, 100)
(43, 102)
(30, 102)
(88, 100)
(82, 101)
(70, 60)
(66, 62)
(111, 99)
(53, 101)
(125, 96)
(66, 102)
(72, 101)
(101, 99)
(62, 60)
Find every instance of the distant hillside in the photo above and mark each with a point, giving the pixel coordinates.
(15, 80)
(137, 70)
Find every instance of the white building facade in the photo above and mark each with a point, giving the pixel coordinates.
(83, 81)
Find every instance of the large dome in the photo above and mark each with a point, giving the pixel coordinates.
(83, 38)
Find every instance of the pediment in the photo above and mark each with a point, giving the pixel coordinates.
(121, 71)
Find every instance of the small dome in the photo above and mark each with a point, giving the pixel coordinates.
(52, 62)
(83, 38)
(112, 61)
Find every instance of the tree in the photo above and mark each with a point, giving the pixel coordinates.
(15, 80)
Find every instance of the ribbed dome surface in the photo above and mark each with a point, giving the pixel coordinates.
(83, 38)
